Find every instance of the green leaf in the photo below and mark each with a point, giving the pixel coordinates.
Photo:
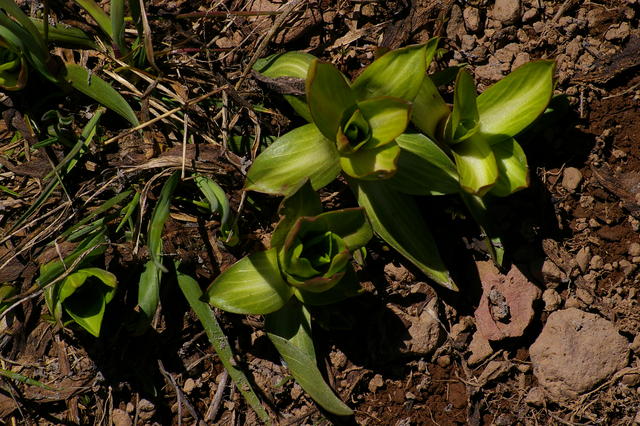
(99, 90)
(423, 168)
(514, 102)
(253, 285)
(14, 10)
(148, 296)
(479, 208)
(396, 219)
(107, 205)
(303, 368)
(304, 202)
(289, 64)
(65, 35)
(218, 202)
(512, 168)
(429, 109)
(376, 163)
(158, 218)
(300, 154)
(220, 343)
(463, 121)
(350, 224)
(398, 73)
(348, 286)
(388, 118)
(117, 25)
(329, 98)
(293, 323)
(476, 164)
(99, 15)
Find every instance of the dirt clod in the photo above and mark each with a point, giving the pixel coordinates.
(120, 418)
(571, 179)
(480, 349)
(575, 351)
(551, 299)
(506, 11)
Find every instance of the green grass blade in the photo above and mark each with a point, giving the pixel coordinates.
(158, 218)
(67, 36)
(101, 209)
(117, 25)
(24, 379)
(99, 15)
(128, 210)
(218, 340)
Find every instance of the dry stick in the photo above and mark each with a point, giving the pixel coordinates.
(184, 143)
(165, 115)
(212, 412)
(146, 37)
(179, 396)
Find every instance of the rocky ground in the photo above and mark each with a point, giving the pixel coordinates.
(566, 348)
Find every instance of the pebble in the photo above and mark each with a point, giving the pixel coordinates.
(631, 379)
(535, 397)
(529, 15)
(552, 275)
(551, 299)
(375, 383)
(596, 262)
(618, 32)
(634, 249)
(189, 385)
(635, 259)
(571, 179)
(508, 12)
(520, 59)
(120, 418)
(444, 361)
(472, 19)
(627, 267)
(480, 349)
(573, 302)
(583, 258)
(584, 296)
(635, 345)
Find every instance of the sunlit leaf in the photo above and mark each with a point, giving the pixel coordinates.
(429, 109)
(218, 202)
(512, 168)
(514, 102)
(376, 163)
(293, 323)
(463, 121)
(388, 118)
(476, 164)
(304, 202)
(253, 285)
(395, 217)
(159, 216)
(301, 154)
(99, 15)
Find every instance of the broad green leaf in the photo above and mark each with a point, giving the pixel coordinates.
(148, 296)
(350, 224)
(99, 90)
(99, 15)
(253, 285)
(476, 164)
(398, 73)
(395, 217)
(304, 202)
(423, 167)
(65, 35)
(376, 163)
(329, 98)
(13, 72)
(512, 168)
(388, 118)
(347, 287)
(300, 154)
(429, 109)
(117, 25)
(293, 323)
(220, 343)
(77, 279)
(304, 370)
(14, 10)
(463, 121)
(99, 210)
(158, 218)
(514, 102)
(289, 64)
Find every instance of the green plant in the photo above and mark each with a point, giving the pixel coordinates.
(308, 263)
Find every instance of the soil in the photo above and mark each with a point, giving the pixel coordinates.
(573, 235)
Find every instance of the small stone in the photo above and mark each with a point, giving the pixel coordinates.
(573, 302)
(296, 391)
(538, 26)
(575, 351)
(338, 359)
(635, 259)
(409, 395)
(552, 275)
(490, 72)
(520, 59)
(120, 418)
(523, 368)
(618, 154)
(608, 267)
(596, 263)
(480, 349)
(636, 420)
(584, 296)
(444, 361)
(551, 299)
(146, 409)
(189, 385)
(529, 15)
(571, 179)
(535, 397)
(634, 249)
(635, 345)
(631, 379)
(618, 32)
(583, 258)
(467, 42)
(627, 267)
(375, 383)
(506, 11)
(472, 20)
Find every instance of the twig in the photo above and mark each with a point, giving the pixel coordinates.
(212, 412)
(179, 396)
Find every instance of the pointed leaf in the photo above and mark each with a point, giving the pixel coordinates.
(100, 91)
(429, 109)
(304, 370)
(148, 296)
(289, 64)
(349, 286)
(99, 15)
(159, 216)
(329, 98)
(476, 164)
(479, 208)
(396, 219)
(514, 102)
(218, 202)
(300, 154)
(464, 117)
(376, 163)
(350, 224)
(293, 323)
(388, 118)
(423, 167)
(304, 202)
(253, 285)
(512, 168)
(397, 73)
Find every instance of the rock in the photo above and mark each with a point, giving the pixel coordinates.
(296, 392)
(595, 17)
(120, 418)
(635, 345)
(520, 59)
(551, 299)
(552, 275)
(147, 409)
(424, 331)
(472, 19)
(490, 72)
(571, 179)
(375, 383)
(583, 258)
(461, 330)
(634, 249)
(596, 263)
(506, 11)
(574, 48)
(631, 378)
(535, 397)
(444, 361)
(618, 32)
(189, 385)
(512, 294)
(584, 296)
(480, 349)
(493, 371)
(529, 15)
(455, 25)
(627, 267)
(575, 351)
(467, 42)
(396, 273)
